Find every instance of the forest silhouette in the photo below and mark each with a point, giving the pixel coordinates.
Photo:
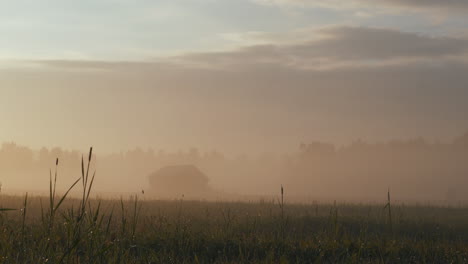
(415, 170)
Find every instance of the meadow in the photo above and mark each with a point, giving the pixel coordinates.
(63, 229)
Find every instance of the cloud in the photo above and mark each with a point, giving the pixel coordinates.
(337, 84)
(315, 49)
(423, 4)
(335, 47)
(268, 108)
(456, 6)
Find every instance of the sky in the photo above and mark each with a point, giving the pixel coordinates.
(239, 76)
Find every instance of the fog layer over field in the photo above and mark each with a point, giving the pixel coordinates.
(414, 170)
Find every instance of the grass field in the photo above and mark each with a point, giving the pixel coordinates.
(135, 231)
(59, 229)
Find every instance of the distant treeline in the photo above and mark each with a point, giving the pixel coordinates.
(413, 169)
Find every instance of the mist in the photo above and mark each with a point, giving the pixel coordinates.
(234, 131)
(326, 110)
(415, 170)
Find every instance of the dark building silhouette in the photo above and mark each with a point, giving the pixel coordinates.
(179, 180)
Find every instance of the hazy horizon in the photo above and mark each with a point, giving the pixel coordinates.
(416, 170)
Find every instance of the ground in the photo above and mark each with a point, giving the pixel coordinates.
(182, 231)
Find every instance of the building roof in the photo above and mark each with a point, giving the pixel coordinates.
(180, 174)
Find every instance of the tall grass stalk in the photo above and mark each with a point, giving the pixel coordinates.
(87, 184)
(23, 218)
(388, 206)
(283, 217)
(52, 192)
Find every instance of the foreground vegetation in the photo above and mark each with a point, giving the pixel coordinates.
(59, 229)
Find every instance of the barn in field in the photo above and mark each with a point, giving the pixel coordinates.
(179, 180)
